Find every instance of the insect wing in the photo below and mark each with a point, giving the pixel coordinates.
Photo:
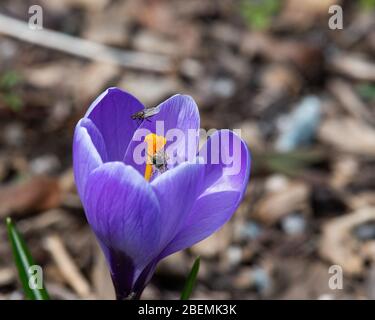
(151, 111)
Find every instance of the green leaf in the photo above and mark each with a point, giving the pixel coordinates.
(9, 80)
(13, 101)
(23, 262)
(258, 14)
(290, 163)
(367, 5)
(190, 282)
(367, 91)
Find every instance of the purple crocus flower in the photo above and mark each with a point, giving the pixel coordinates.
(139, 218)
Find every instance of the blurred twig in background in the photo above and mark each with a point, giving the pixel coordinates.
(83, 48)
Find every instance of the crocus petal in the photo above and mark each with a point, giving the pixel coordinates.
(177, 117)
(111, 112)
(124, 213)
(209, 214)
(221, 192)
(227, 161)
(89, 152)
(176, 191)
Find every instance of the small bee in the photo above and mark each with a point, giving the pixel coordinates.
(159, 161)
(145, 114)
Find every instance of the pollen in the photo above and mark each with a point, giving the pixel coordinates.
(154, 144)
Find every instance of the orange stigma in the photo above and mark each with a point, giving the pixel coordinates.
(154, 144)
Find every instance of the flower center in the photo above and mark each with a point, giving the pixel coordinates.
(155, 144)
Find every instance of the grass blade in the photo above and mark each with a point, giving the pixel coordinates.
(190, 282)
(23, 262)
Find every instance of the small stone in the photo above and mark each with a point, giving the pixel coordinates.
(223, 87)
(14, 134)
(276, 182)
(249, 231)
(365, 231)
(191, 68)
(234, 255)
(45, 164)
(293, 224)
(300, 126)
(261, 280)
(257, 278)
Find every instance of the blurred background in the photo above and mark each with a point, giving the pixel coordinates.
(302, 94)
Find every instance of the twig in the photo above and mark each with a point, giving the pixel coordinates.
(353, 66)
(67, 266)
(83, 48)
(349, 100)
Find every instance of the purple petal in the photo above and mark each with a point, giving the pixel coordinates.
(89, 152)
(221, 192)
(111, 112)
(178, 112)
(227, 161)
(209, 214)
(124, 213)
(177, 190)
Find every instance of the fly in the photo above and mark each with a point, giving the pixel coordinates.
(146, 113)
(159, 161)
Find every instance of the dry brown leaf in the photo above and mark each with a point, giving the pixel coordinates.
(278, 77)
(52, 75)
(307, 57)
(304, 13)
(275, 205)
(349, 135)
(7, 276)
(348, 98)
(340, 246)
(37, 194)
(344, 170)
(353, 66)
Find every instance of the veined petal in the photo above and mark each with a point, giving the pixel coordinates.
(221, 192)
(208, 215)
(228, 162)
(111, 112)
(178, 121)
(176, 190)
(89, 152)
(124, 213)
